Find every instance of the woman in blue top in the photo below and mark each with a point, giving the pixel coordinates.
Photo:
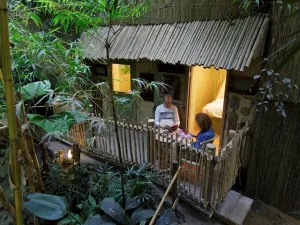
(206, 131)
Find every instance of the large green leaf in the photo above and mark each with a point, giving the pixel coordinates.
(55, 123)
(97, 220)
(76, 115)
(167, 218)
(131, 203)
(50, 207)
(35, 89)
(113, 209)
(141, 215)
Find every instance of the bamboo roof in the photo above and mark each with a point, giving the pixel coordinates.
(222, 44)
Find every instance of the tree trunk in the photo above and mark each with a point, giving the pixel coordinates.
(109, 72)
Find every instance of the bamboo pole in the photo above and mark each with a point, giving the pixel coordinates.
(125, 129)
(26, 157)
(36, 164)
(2, 80)
(11, 111)
(165, 196)
(149, 146)
(155, 150)
(136, 145)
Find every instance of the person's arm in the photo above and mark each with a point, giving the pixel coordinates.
(199, 140)
(156, 119)
(203, 137)
(193, 135)
(177, 120)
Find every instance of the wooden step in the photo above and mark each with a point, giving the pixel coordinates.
(234, 209)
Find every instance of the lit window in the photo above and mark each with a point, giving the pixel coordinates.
(121, 77)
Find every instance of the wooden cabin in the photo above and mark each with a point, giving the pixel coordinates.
(207, 65)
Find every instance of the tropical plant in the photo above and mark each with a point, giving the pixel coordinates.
(45, 47)
(6, 74)
(70, 183)
(276, 86)
(45, 206)
(53, 207)
(138, 185)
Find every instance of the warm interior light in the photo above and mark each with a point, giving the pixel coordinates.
(70, 156)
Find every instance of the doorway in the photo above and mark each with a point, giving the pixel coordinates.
(206, 94)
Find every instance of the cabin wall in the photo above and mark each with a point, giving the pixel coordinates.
(145, 108)
(239, 110)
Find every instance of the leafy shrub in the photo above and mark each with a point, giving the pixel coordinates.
(138, 185)
(70, 183)
(108, 212)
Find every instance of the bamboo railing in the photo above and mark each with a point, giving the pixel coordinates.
(204, 179)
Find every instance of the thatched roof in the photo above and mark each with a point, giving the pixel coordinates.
(223, 44)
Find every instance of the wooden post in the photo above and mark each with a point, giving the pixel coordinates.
(44, 157)
(76, 153)
(149, 147)
(231, 134)
(211, 148)
(61, 157)
(175, 166)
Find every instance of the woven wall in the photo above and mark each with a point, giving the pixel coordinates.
(274, 168)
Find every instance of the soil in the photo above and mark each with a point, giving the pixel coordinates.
(262, 214)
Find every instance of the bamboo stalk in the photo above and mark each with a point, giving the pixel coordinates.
(137, 141)
(149, 147)
(176, 202)
(36, 164)
(2, 80)
(118, 153)
(190, 169)
(125, 140)
(122, 130)
(130, 142)
(165, 196)
(136, 145)
(26, 157)
(185, 169)
(143, 133)
(166, 154)
(11, 111)
(159, 149)
(110, 149)
(155, 143)
(197, 176)
(201, 171)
